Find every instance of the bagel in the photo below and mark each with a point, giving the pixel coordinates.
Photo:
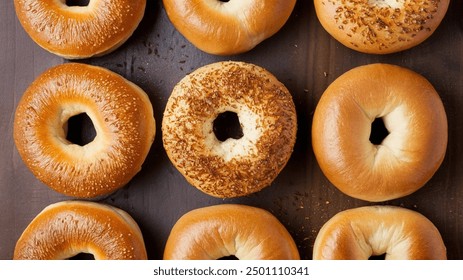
(122, 116)
(214, 232)
(397, 233)
(228, 27)
(66, 229)
(76, 32)
(412, 113)
(233, 167)
(380, 27)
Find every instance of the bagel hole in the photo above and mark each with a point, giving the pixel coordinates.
(378, 131)
(79, 3)
(377, 257)
(82, 256)
(80, 130)
(227, 125)
(224, 1)
(229, 258)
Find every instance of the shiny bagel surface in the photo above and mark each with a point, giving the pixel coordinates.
(76, 32)
(397, 233)
(246, 232)
(65, 229)
(406, 159)
(228, 27)
(122, 116)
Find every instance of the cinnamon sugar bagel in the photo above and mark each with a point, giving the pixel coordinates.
(380, 26)
(411, 152)
(76, 32)
(214, 232)
(228, 27)
(266, 115)
(397, 233)
(66, 229)
(121, 114)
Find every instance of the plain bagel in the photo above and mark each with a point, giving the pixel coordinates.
(397, 233)
(214, 232)
(233, 167)
(76, 32)
(66, 229)
(122, 116)
(380, 26)
(228, 27)
(412, 113)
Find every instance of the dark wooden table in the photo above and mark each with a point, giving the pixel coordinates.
(304, 57)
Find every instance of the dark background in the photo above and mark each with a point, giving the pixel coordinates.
(304, 57)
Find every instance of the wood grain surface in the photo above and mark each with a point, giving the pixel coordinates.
(304, 57)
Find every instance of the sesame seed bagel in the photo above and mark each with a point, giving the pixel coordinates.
(397, 233)
(413, 115)
(218, 231)
(380, 26)
(228, 27)
(66, 229)
(76, 32)
(234, 167)
(121, 114)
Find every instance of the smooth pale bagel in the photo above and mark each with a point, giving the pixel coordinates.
(406, 159)
(397, 233)
(214, 232)
(122, 116)
(233, 167)
(380, 26)
(76, 32)
(66, 229)
(228, 27)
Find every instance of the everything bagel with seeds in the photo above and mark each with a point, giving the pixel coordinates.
(266, 115)
(380, 26)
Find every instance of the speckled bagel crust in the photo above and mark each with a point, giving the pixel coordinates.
(235, 167)
(246, 232)
(65, 229)
(228, 27)
(397, 233)
(412, 113)
(380, 26)
(122, 116)
(76, 32)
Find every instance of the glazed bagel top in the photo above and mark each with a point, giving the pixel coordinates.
(406, 159)
(234, 167)
(65, 229)
(76, 32)
(122, 116)
(380, 26)
(246, 232)
(360, 233)
(228, 27)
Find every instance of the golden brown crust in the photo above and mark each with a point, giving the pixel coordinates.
(121, 114)
(380, 27)
(406, 159)
(363, 232)
(80, 32)
(234, 167)
(230, 230)
(65, 229)
(226, 28)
